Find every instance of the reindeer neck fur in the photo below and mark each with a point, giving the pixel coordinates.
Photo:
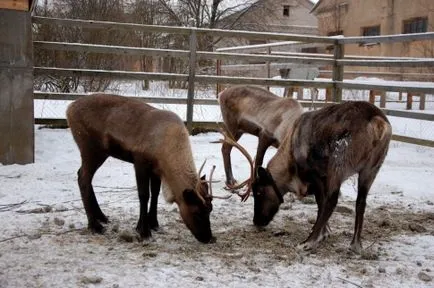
(279, 165)
(177, 168)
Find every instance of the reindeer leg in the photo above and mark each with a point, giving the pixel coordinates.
(366, 178)
(91, 161)
(316, 235)
(155, 191)
(316, 188)
(265, 140)
(226, 152)
(142, 178)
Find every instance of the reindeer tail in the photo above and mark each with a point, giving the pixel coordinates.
(381, 128)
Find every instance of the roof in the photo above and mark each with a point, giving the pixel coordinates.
(316, 5)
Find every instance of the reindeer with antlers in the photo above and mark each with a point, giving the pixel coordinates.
(256, 111)
(324, 149)
(158, 145)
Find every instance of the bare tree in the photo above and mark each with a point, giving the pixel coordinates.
(112, 10)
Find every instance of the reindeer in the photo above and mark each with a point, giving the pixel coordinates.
(256, 111)
(324, 148)
(158, 145)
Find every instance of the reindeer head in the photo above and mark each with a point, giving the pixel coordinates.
(196, 208)
(267, 198)
(268, 194)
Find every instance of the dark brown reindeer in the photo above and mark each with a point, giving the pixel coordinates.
(256, 111)
(324, 149)
(158, 145)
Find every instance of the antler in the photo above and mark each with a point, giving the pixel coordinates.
(229, 140)
(201, 167)
(210, 186)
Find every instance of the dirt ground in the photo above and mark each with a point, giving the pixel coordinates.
(242, 254)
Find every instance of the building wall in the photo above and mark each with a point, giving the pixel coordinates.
(389, 14)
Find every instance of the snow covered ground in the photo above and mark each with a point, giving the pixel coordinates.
(45, 243)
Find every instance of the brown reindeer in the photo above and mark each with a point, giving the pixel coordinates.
(324, 149)
(158, 145)
(256, 111)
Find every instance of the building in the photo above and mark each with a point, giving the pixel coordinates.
(378, 17)
(281, 16)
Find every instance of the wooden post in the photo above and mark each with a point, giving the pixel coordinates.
(372, 96)
(329, 94)
(218, 73)
(422, 101)
(409, 100)
(299, 93)
(338, 72)
(268, 67)
(382, 99)
(16, 82)
(191, 80)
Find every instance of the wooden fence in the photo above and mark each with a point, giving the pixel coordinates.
(338, 61)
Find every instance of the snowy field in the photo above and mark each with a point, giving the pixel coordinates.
(211, 113)
(45, 242)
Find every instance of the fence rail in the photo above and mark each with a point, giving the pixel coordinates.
(338, 61)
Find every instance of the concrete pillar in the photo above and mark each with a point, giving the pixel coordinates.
(16, 88)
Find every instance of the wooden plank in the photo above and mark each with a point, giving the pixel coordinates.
(178, 77)
(215, 126)
(156, 100)
(387, 38)
(411, 140)
(408, 114)
(390, 88)
(124, 50)
(262, 81)
(197, 126)
(20, 5)
(182, 30)
(129, 75)
(428, 62)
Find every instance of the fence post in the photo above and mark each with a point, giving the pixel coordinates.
(268, 67)
(218, 73)
(16, 82)
(338, 72)
(191, 79)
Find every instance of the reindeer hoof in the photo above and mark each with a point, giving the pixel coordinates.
(102, 218)
(96, 227)
(144, 233)
(356, 248)
(155, 226)
(307, 246)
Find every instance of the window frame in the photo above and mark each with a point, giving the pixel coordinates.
(286, 10)
(367, 30)
(408, 28)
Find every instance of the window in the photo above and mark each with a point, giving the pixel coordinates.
(415, 25)
(371, 31)
(286, 10)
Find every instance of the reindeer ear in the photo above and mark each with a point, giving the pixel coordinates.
(190, 197)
